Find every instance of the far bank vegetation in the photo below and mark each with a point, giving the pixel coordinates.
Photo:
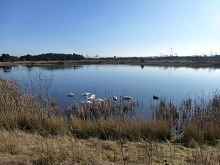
(76, 59)
(41, 57)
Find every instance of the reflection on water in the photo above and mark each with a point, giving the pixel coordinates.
(140, 83)
(61, 67)
(6, 68)
(55, 67)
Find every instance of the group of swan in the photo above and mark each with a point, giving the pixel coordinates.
(73, 94)
(92, 97)
(88, 99)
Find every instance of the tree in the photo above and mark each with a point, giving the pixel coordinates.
(6, 58)
(51, 57)
(29, 57)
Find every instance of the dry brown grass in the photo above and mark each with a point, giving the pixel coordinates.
(19, 147)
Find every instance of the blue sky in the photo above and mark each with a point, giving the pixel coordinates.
(110, 28)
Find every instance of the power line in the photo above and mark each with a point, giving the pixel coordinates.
(171, 50)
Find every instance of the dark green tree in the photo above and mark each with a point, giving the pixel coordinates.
(29, 57)
(5, 58)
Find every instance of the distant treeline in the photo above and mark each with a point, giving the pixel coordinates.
(41, 57)
(63, 57)
(170, 57)
(152, 58)
(192, 58)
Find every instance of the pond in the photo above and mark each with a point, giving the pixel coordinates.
(140, 83)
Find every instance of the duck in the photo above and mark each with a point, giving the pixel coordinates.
(155, 97)
(125, 97)
(71, 94)
(114, 97)
(85, 94)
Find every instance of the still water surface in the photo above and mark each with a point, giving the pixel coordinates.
(138, 82)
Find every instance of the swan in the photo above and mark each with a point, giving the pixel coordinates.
(85, 94)
(100, 100)
(87, 101)
(125, 97)
(114, 97)
(91, 97)
(71, 94)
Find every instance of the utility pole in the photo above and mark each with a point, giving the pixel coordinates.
(171, 51)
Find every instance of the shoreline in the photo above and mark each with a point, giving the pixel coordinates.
(199, 63)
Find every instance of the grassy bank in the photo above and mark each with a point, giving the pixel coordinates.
(19, 147)
(34, 130)
(165, 62)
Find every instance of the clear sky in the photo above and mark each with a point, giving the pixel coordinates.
(110, 28)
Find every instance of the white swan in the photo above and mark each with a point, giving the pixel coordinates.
(91, 97)
(71, 94)
(100, 100)
(85, 94)
(86, 101)
(125, 97)
(114, 97)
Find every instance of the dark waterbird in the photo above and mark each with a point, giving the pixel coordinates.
(155, 97)
(71, 94)
(125, 97)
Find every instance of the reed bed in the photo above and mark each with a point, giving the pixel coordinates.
(103, 120)
(55, 137)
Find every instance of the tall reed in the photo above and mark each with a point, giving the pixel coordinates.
(197, 119)
(201, 119)
(21, 110)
